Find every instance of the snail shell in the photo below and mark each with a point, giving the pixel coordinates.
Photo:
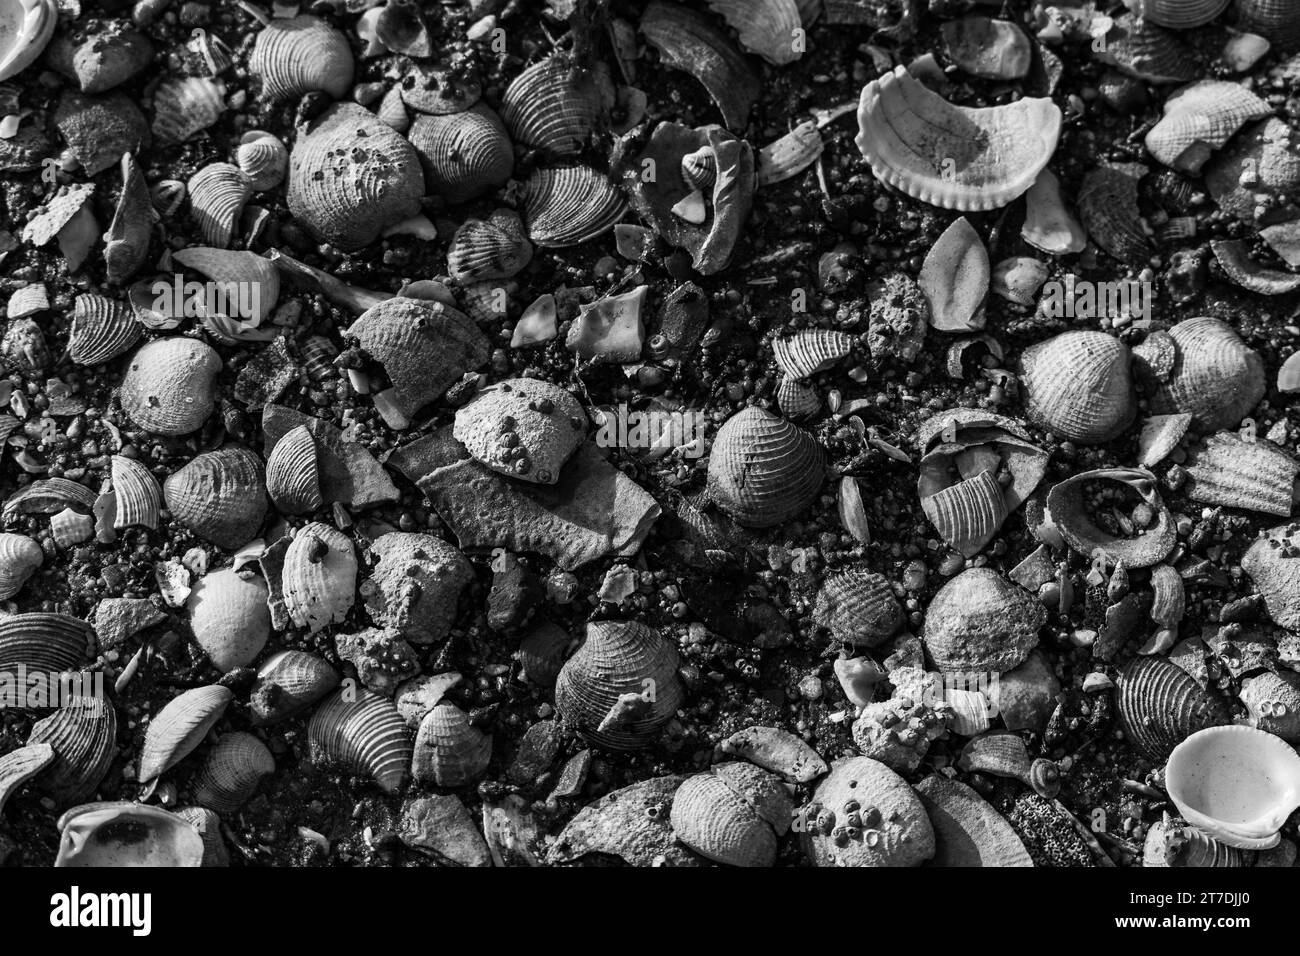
(555, 105)
(1078, 385)
(301, 55)
(1069, 514)
(464, 154)
(525, 428)
(180, 727)
(208, 824)
(219, 495)
(570, 205)
(84, 738)
(231, 772)
(126, 834)
(186, 105)
(979, 621)
(763, 470)
(414, 585)
(218, 193)
(806, 353)
(102, 329)
(858, 607)
(45, 642)
(886, 826)
(1160, 705)
(967, 830)
(230, 618)
(288, 682)
(29, 25)
(365, 733)
(711, 817)
(138, 496)
(263, 158)
(1178, 14)
(320, 576)
(1253, 475)
(1216, 377)
(1273, 563)
(20, 557)
(449, 751)
(293, 473)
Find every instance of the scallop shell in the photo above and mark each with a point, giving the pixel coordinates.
(19, 766)
(180, 727)
(218, 193)
(1254, 475)
(1108, 207)
(556, 105)
(1198, 119)
(986, 158)
(186, 105)
(1178, 14)
(1160, 705)
(244, 283)
(858, 607)
(449, 750)
(351, 176)
(618, 659)
(231, 772)
(810, 351)
(1069, 515)
(1141, 49)
(320, 576)
(414, 585)
(1216, 377)
(570, 205)
(524, 427)
(293, 473)
(230, 618)
(894, 829)
(301, 55)
(1273, 702)
(979, 621)
(20, 558)
(1273, 563)
(492, 248)
(365, 733)
(967, 830)
(263, 159)
(1078, 385)
(968, 514)
(126, 244)
(288, 682)
(1275, 20)
(1181, 845)
(84, 738)
(29, 24)
(710, 817)
(168, 387)
(464, 154)
(796, 399)
(766, 27)
(43, 641)
(102, 329)
(126, 835)
(762, 470)
(219, 495)
(208, 825)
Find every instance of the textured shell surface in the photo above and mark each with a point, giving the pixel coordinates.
(137, 492)
(1270, 149)
(492, 248)
(1160, 705)
(218, 193)
(320, 576)
(1140, 48)
(776, 750)
(99, 129)
(763, 470)
(895, 829)
(102, 329)
(1078, 385)
(1171, 843)
(810, 351)
(1236, 259)
(968, 514)
(953, 156)
(180, 727)
(20, 558)
(1168, 596)
(125, 834)
(1199, 119)
(293, 473)
(449, 750)
(979, 621)
(84, 738)
(761, 790)
(1273, 702)
(1178, 14)
(208, 824)
(1160, 435)
(464, 154)
(524, 427)
(1216, 376)
(263, 158)
(229, 617)
(1108, 206)
(1070, 515)
(302, 54)
(1275, 20)
(20, 765)
(184, 106)
(797, 399)
(45, 641)
(414, 585)
(247, 279)
(1273, 563)
(765, 27)
(1229, 470)
(858, 607)
(556, 104)
(28, 27)
(570, 205)
(967, 830)
(1001, 754)
(364, 733)
(288, 682)
(711, 818)
(231, 772)
(219, 495)
(69, 528)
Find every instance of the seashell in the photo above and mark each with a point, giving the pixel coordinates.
(263, 159)
(1070, 515)
(1002, 754)
(492, 248)
(100, 60)
(58, 212)
(731, 815)
(1273, 702)
(1172, 844)
(243, 285)
(1109, 210)
(28, 26)
(48, 495)
(365, 733)
(570, 205)
(700, 169)
(788, 156)
(102, 329)
(351, 176)
(762, 470)
(1160, 705)
(766, 27)
(967, 830)
(810, 351)
(1235, 784)
(301, 55)
(167, 196)
(126, 244)
(1154, 359)
(555, 106)
(687, 40)
(1273, 563)
(1078, 385)
(858, 607)
(1234, 256)
(288, 682)
(1139, 48)
(20, 558)
(69, 528)
(1019, 278)
(994, 49)
(44, 642)
(401, 27)
(414, 585)
(1198, 119)
(99, 129)
(180, 727)
(797, 399)
(1177, 229)
(1159, 436)
(979, 621)
(967, 514)
(231, 772)
(435, 90)
(464, 154)
(1262, 160)
(320, 577)
(890, 829)
(1177, 14)
(449, 751)
(1216, 377)
(185, 106)
(776, 750)
(1254, 475)
(208, 825)
(392, 113)
(126, 834)
(84, 738)
(168, 386)
(292, 473)
(1274, 20)
(992, 155)
(525, 428)
(219, 495)
(19, 766)
(24, 345)
(28, 301)
(230, 618)
(218, 192)
(1168, 604)
(619, 660)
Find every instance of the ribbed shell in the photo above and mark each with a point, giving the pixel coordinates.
(1069, 515)
(806, 353)
(555, 106)
(238, 272)
(766, 27)
(20, 557)
(896, 830)
(1108, 207)
(1142, 49)
(1273, 563)
(123, 834)
(979, 621)
(526, 428)
(1168, 596)
(1199, 119)
(183, 106)
(1160, 705)
(414, 585)
(231, 772)
(301, 55)
(366, 736)
(45, 642)
(1180, 844)
(796, 399)
(711, 818)
(700, 169)
(1275, 20)
(138, 496)
(1256, 476)
(1160, 435)
(967, 830)
(46, 496)
(449, 751)
(968, 514)
(289, 682)
(180, 727)
(570, 205)
(168, 386)
(218, 193)
(219, 495)
(1078, 385)
(320, 576)
(1178, 14)
(763, 471)
(126, 243)
(229, 618)
(617, 658)
(1216, 377)
(292, 473)
(19, 766)
(464, 154)
(102, 329)
(84, 738)
(263, 158)
(492, 248)
(1001, 754)
(858, 607)
(69, 528)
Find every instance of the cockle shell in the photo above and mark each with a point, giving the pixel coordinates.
(810, 351)
(1255, 475)
(556, 105)
(858, 607)
(864, 814)
(1178, 14)
(762, 470)
(984, 159)
(766, 27)
(293, 473)
(180, 727)
(1199, 119)
(229, 617)
(719, 820)
(247, 285)
(776, 750)
(320, 576)
(219, 495)
(492, 248)
(186, 105)
(979, 621)
(969, 513)
(20, 558)
(464, 154)
(414, 585)
(526, 428)
(138, 496)
(231, 772)
(263, 159)
(27, 28)
(84, 737)
(126, 243)
(1273, 563)
(1070, 515)
(1078, 385)
(570, 205)
(69, 528)
(102, 329)
(1160, 705)
(126, 835)
(19, 766)
(1216, 377)
(288, 682)
(1275, 20)
(449, 750)
(688, 40)
(218, 193)
(300, 55)
(48, 495)
(44, 641)
(208, 825)
(797, 400)
(1138, 47)
(1181, 845)
(365, 733)
(967, 830)
(1235, 257)
(1109, 210)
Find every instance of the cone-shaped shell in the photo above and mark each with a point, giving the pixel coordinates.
(1078, 385)
(858, 607)
(293, 473)
(28, 26)
(218, 193)
(449, 750)
(1178, 14)
(229, 618)
(289, 682)
(365, 733)
(20, 557)
(1199, 119)
(168, 388)
(263, 158)
(44, 641)
(525, 428)
(464, 154)
(570, 205)
(138, 496)
(1254, 475)
(894, 829)
(84, 738)
(967, 830)
(1273, 563)
(414, 585)
(320, 576)
(1275, 20)
(806, 353)
(1216, 377)
(102, 329)
(126, 835)
(219, 495)
(1160, 705)
(979, 621)
(714, 820)
(231, 772)
(180, 727)
(492, 248)
(763, 471)
(300, 55)
(555, 105)
(1069, 514)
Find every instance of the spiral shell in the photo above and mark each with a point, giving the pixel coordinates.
(365, 733)
(180, 727)
(555, 105)
(1254, 475)
(231, 772)
(186, 105)
(1070, 515)
(43, 641)
(979, 621)
(126, 834)
(1078, 385)
(808, 352)
(301, 55)
(219, 495)
(864, 814)
(492, 248)
(762, 470)
(713, 818)
(102, 329)
(449, 751)
(523, 427)
(464, 154)
(1216, 377)
(84, 738)
(263, 159)
(1160, 705)
(1275, 20)
(1178, 14)
(218, 193)
(288, 682)
(858, 607)
(1171, 843)
(293, 473)
(570, 205)
(230, 618)
(700, 169)
(138, 496)
(320, 576)
(414, 585)
(20, 558)
(1273, 563)
(967, 830)
(29, 25)
(1199, 119)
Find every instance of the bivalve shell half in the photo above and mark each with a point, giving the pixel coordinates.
(449, 750)
(556, 105)
(102, 329)
(806, 353)
(231, 772)
(1275, 20)
(414, 585)
(208, 824)
(230, 618)
(1199, 119)
(979, 621)
(288, 682)
(218, 193)
(1071, 514)
(28, 27)
(1140, 48)
(20, 558)
(19, 766)
(137, 494)
(464, 154)
(1049, 225)
(43, 641)
(1160, 435)
(969, 513)
(244, 287)
(1216, 377)
(180, 727)
(293, 473)
(867, 815)
(1178, 14)
(84, 737)
(967, 830)
(302, 54)
(169, 384)
(858, 607)
(1273, 563)
(365, 733)
(184, 106)
(710, 816)
(766, 27)
(492, 248)
(778, 751)
(688, 40)
(524, 427)
(570, 205)
(763, 470)
(1078, 385)
(1108, 206)
(1160, 705)
(320, 577)
(797, 400)
(126, 835)
(263, 158)
(1176, 844)
(1254, 475)
(219, 495)
(1273, 702)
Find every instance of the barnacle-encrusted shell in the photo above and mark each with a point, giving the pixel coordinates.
(102, 329)
(1181, 845)
(1273, 701)
(320, 576)
(1275, 20)
(365, 733)
(179, 727)
(732, 814)
(219, 495)
(1254, 475)
(231, 772)
(45, 641)
(810, 351)
(186, 105)
(28, 26)
(301, 55)
(465, 154)
(429, 87)
(1216, 377)
(293, 474)
(1273, 563)
(570, 205)
(979, 621)
(762, 470)
(953, 156)
(858, 607)
(449, 750)
(1178, 14)
(967, 830)
(138, 495)
(871, 816)
(492, 248)
(84, 738)
(556, 104)
(218, 193)
(1070, 515)
(524, 427)
(1199, 119)
(1160, 705)
(126, 834)
(414, 585)
(263, 158)
(229, 617)
(20, 557)
(1078, 385)
(289, 682)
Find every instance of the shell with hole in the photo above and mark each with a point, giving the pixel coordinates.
(20, 558)
(414, 584)
(229, 617)
(732, 814)
(289, 682)
(864, 814)
(320, 576)
(762, 470)
(570, 205)
(1076, 510)
(84, 738)
(979, 621)
(524, 427)
(125, 834)
(169, 386)
(231, 771)
(1078, 385)
(293, 473)
(1215, 377)
(858, 607)
(364, 733)
(219, 495)
(449, 750)
(179, 727)
(1160, 705)
(464, 154)
(301, 54)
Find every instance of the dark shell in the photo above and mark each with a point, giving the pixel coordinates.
(1160, 705)
(464, 154)
(220, 496)
(858, 607)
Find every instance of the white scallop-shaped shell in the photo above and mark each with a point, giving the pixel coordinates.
(168, 388)
(186, 105)
(967, 514)
(293, 473)
(102, 329)
(449, 750)
(320, 576)
(465, 154)
(230, 618)
(492, 248)
(366, 734)
(263, 158)
(218, 193)
(70, 527)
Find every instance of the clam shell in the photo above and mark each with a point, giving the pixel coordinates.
(1002, 754)
(208, 825)
(1216, 377)
(449, 751)
(414, 585)
(1199, 119)
(229, 618)
(778, 751)
(968, 514)
(1078, 385)
(1273, 563)
(796, 399)
(766, 27)
(238, 275)
(126, 835)
(985, 158)
(762, 470)
(1262, 160)
(1160, 706)
(288, 682)
(810, 351)
(570, 205)
(138, 495)
(29, 25)
(1252, 475)
(84, 738)
(1171, 844)
(186, 105)
(231, 772)
(218, 193)
(20, 558)
(263, 159)
(524, 427)
(1234, 255)
(492, 248)
(1273, 701)
(219, 495)
(19, 766)
(293, 474)
(1069, 515)
(1141, 49)
(464, 154)
(1159, 436)
(712, 819)
(1275, 20)
(45, 642)
(126, 244)
(967, 830)
(320, 576)
(994, 49)
(979, 621)
(687, 40)
(895, 830)
(48, 495)
(301, 55)
(180, 727)
(858, 607)
(556, 105)
(1108, 207)
(169, 384)
(1178, 14)
(102, 329)
(365, 733)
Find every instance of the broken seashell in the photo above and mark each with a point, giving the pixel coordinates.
(1141, 49)
(610, 329)
(858, 607)
(363, 732)
(180, 727)
(769, 28)
(401, 27)
(810, 351)
(687, 40)
(955, 279)
(219, 495)
(126, 244)
(414, 585)
(492, 248)
(245, 287)
(967, 830)
(1272, 19)
(168, 388)
(102, 329)
(231, 772)
(762, 470)
(1235, 258)
(289, 682)
(99, 129)
(1001, 753)
(1160, 705)
(300, 55)
(732, 814)
(1159, 436)
(19, 766)
(229, 618)
(1173, 844)
(28, 26)
(788, 156)
(980, 622)
(1078, 385)
(1019, 278)
(525, 428)
(69, 528)
(186, 105)
(967, 514)
(1050, 226)
(1273, 563)
(776, 750)
(1070, 515)
(84, 737)
(138, 495)
(1178, 14)
(320, 575)
(58, 213)
(464, 154)
(1217, 378)
(1254, 475)
(1198, 119)
(263, 159)
(430, 87)
(126, 834)
(20, 558)
(864, 814)
(44, 641)
(449, 750)
(1168, 604)
(218, 192)
(570, 205)
(1273, 702)
(292, 473)
(1109, 210)
(556, 104)
(994, 49)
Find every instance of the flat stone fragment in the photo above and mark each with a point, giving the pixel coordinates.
(443, 828)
